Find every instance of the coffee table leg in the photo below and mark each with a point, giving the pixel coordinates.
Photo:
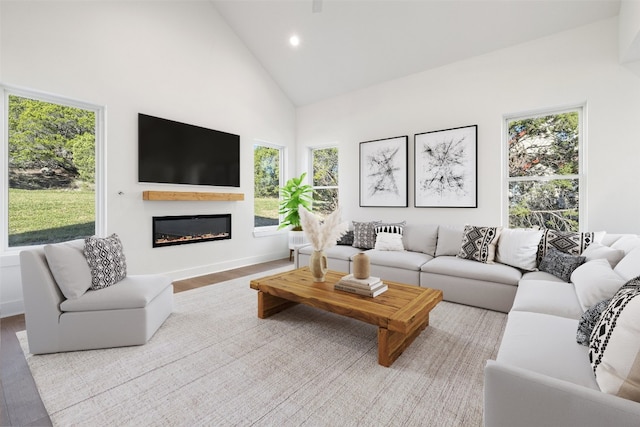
(269, 305)
(391, 344)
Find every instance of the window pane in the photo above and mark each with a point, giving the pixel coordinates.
(552, 204)
(325, 201)
(51, 172)
(544, 146)
(266, 166)
(325, 167)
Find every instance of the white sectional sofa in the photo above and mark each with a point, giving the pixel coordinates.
(541, 375)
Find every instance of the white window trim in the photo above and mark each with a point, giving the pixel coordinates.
(100, 174)
(310, 168)
(582, 159)
(271, 230)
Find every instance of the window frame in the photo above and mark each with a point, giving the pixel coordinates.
(310, 168)
(581, 176)
(269, 230)
(100, 158)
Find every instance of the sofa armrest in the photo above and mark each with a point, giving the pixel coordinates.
(516, 397)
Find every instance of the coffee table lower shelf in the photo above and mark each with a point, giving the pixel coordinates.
(401, 313)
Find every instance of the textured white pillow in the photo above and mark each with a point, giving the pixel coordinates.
(519, 248)
(389, 242)
(595, 281)
(69, 267)
(598, 251)
(614, 346)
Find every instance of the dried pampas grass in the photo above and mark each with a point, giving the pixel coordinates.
(322, 235)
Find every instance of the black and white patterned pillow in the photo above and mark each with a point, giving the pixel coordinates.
(106, 260)
(589, 320)
(479, 243)
(569, 242)
(364, 234)
(346, 239)
(614, 345)
(560, 264)
(397, 227)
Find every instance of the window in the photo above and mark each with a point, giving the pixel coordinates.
(545, 180)
(51, 174)
(324, 167)
(267, 160)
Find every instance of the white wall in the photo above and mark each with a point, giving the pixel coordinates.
(177, 60)
(575, 67)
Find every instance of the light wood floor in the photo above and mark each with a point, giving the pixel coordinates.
(20, 403)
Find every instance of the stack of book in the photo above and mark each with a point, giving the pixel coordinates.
(371, 286)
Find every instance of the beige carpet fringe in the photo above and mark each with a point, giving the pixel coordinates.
(215, 363)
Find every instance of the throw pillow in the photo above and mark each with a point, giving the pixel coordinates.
(629, 266)
(389, 242)
(364, 234)
(421, 238)
(569, 242)
(518, 248)
(69, 267)
(627, 243)
(449, 240)
(595, 281)
(397, 227)
(560, 264)
(614, 345)
(479, 243)
(588, 321)
(106, 260)
(598, 251)
(346, 239)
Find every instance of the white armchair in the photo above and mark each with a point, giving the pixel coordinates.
(126, 313)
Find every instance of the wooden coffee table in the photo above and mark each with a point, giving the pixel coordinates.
(400, 313)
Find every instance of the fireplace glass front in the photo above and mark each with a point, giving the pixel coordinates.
(180, 230)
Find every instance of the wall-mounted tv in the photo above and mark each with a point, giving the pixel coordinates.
(179, 153)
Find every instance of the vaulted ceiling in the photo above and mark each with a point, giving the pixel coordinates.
(349, 45)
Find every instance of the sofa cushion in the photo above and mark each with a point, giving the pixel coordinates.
(629, 266)
(449, 239)
(459, 267)
(69, 267)
(540, 275)
(546, 344)
(398, 259)
(595, 281)
(106, 260)
(560, 264)
(336, 252)
(421, 238)
(388, 242)
(134, 291)
(553, 298)
(627, 243)
(589, 320)
(569, 242)
(614, 347)
(518, 248)
(479, 243)
(364, 234)
(597, 251)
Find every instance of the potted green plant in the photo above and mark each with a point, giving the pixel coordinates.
(292, 195)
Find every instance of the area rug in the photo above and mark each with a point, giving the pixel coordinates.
(214, 362)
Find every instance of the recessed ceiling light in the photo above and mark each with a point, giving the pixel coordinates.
(294, 40)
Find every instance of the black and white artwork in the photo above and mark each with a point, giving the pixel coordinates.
(383, 172)
(446, 168)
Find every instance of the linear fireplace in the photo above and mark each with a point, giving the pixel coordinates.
(180, 230)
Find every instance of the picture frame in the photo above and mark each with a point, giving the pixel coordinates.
(384, 177)
(446, 168)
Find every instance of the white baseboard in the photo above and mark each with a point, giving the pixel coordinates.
(11, 308)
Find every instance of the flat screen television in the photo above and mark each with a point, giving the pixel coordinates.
(178, 153)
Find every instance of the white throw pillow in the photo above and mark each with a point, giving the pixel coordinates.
(614, 345)
(449, 239)
(598, 251)
(69, 267)
(595, 281)
(518, 248)
(389, 242)
(627, 243)
(629, 266)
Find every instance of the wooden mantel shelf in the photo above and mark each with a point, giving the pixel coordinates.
(191, 195)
